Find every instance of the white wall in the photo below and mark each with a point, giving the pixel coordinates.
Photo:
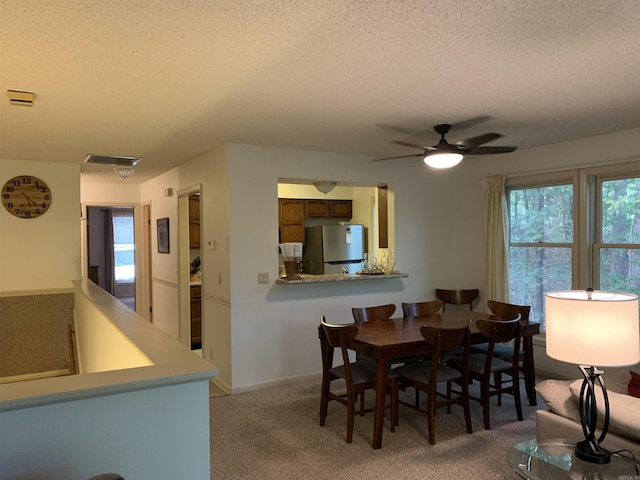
(438, 241)
(144, 434)
(208, 171)
(42, 253)
(268, 332)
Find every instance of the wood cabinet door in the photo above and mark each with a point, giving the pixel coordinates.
(291, 219)
(318, 208)
(341, 208)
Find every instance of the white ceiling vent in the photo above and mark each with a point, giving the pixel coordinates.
(20, 98)
(112, 160)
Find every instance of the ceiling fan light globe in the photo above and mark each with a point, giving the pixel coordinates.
(443, 160)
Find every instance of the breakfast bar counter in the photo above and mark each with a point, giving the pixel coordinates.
(339, 277)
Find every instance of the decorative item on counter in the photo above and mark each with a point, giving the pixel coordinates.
(292, 256)
(370, 265)
(388, 261)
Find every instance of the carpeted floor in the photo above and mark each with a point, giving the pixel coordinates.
(274, 434)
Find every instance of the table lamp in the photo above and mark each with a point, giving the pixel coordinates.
(590, 328)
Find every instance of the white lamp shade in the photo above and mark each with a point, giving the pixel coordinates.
(602, 331)
(443, 160)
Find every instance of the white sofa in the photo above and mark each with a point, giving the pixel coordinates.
(561, 419)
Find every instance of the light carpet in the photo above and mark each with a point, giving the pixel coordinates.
(274, 433)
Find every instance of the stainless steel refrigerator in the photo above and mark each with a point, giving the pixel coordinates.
(333, 249)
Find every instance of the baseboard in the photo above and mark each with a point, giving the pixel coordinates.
(275, 383)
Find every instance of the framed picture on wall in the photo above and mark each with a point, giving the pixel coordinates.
(163, 235)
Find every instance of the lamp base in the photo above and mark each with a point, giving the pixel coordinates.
(584, 452)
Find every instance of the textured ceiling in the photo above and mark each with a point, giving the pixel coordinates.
(166, 80)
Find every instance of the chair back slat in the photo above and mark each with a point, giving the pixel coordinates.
(499, 331)
(503, 311)
(421, 308)
(372, 314)
(457, 297)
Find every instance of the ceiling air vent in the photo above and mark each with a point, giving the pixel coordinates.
(20, 98)
(112, 160)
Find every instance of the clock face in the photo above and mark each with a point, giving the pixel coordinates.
(26, 196)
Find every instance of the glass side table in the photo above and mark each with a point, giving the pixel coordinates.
(554, 459)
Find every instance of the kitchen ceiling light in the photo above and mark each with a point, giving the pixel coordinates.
(124, 171)
(443, 160)
(324, 187)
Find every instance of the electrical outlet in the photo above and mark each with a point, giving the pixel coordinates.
(263, 278)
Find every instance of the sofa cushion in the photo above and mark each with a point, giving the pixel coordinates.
(616, 379)
(557, 395)
(624, 411)
(634, 384)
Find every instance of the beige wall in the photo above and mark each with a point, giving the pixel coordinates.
(42, 253)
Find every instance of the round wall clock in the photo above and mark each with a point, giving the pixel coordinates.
(26, 196)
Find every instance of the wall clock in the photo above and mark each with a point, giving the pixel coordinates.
(26, 196)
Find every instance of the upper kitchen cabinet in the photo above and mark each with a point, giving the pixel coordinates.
(291, 214)
(329, 208)
(194, 221)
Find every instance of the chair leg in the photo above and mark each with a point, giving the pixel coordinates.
(395, 413)
(324, 400)
(466, 406)
(484, 399)
(497, 381)
(516, 396)
(351, 401)
(431, 416)
(362, 404)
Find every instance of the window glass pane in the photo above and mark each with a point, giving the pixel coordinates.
(123, 249)
(542, 214)
(534, 271)
(620, 204)
(620, 270)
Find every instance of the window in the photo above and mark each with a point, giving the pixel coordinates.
(123, 246)
(573, 230)
(617, 247)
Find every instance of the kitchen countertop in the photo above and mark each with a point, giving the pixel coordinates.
(340, 277)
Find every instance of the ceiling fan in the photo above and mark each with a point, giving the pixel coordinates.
(446, 155)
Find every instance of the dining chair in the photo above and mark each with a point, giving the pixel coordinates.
(501, 311)
(425, 376)
(376, 314)
(457, 297)
(358, 376)
(484, 367)
(421, 308)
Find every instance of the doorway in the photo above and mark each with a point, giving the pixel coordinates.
(190, 265)
(111, 251)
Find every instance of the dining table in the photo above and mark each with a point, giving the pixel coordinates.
(399, 337)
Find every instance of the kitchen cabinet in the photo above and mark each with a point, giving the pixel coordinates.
(196, 316)
(292, 213)
(194, 221)
(291, 219)
(340, 209)
(329, 208)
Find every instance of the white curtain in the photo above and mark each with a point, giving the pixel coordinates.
(495, 239)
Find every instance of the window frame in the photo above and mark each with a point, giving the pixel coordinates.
(587, 213)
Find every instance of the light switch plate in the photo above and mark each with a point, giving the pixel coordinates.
(263, 278)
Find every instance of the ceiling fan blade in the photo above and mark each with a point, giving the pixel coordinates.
(393, 158)
(489, 150)
(480, 139)
(412, 145)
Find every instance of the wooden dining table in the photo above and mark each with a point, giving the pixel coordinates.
(399, 337)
